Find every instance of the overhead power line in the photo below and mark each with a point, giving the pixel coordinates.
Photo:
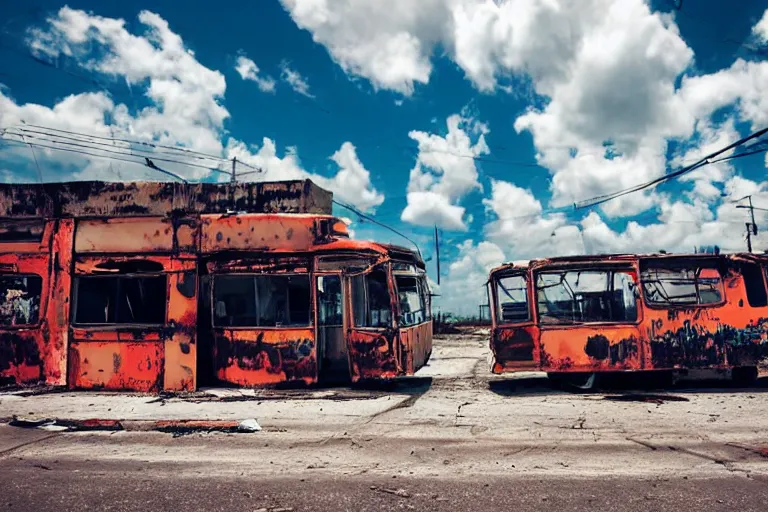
(707, 160)
(155, 146)
(146, 154)
(371, 219)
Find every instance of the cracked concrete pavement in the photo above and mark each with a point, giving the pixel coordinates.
(452, 426)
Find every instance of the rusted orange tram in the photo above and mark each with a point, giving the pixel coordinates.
(160, 286)
(630, 312)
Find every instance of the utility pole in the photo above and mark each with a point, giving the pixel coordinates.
(233, 183)
(751, 226)
(437, 254)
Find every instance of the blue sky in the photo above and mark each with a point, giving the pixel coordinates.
(551, 102)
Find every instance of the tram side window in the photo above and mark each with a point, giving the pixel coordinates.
(370, 299)
(425, 297)
(752, 274)
(114, 300)
(411, 299)
(20, 299)
(586, 296)
(673, 286)
(512, 295)
(261, 301)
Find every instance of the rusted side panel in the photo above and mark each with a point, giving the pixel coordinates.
(269, 356)
(578, 348)
(416, 346)
(21, 361)
(515, 348)
(118, 199)
(274, 233)
(57, 314)
(138, 352)
(124, 235)
(181, 347)
(373, 354)
(731, 334)
(134, 366)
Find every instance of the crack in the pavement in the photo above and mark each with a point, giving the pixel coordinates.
(8, 451)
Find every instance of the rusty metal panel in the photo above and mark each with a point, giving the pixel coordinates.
(21, 361)
(268, 356)
(124, 235)
(515, 348)
(273, 233)
(135, 366)
(120, 199)
(181, 347)
(373, 354)
(416, 346)
(57, 314)
(615, 347)
(725, 335)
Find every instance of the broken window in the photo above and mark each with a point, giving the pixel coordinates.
(370, 299)
(577, 296)
(413, 309)
(677, 285)
(120, 299)
(426, 297)
(261, 301)
(330, 312)
(20, 299)
(512, 293)
(752, 274)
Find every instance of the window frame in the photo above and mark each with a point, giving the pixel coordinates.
(418, 279)
(390, 283)
(120, 276)
(494, 292)
(253, 275)
(612, 271)
(682, 266)
(40, 310)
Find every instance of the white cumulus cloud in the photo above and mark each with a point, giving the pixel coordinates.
(248, 70)
(445, 172)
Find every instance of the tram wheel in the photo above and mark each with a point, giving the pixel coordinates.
(744, 375)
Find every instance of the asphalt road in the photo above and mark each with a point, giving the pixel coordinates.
(454, 439)
(119, 486)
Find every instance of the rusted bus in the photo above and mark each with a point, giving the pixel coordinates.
(128, 288)
(629, 312)
(133, 322)
(292, 299)
(28, 349)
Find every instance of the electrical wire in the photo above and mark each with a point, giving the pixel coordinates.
(597, 200)
(127, 141)
(119, 153)
(147, 162)
(371, 219)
